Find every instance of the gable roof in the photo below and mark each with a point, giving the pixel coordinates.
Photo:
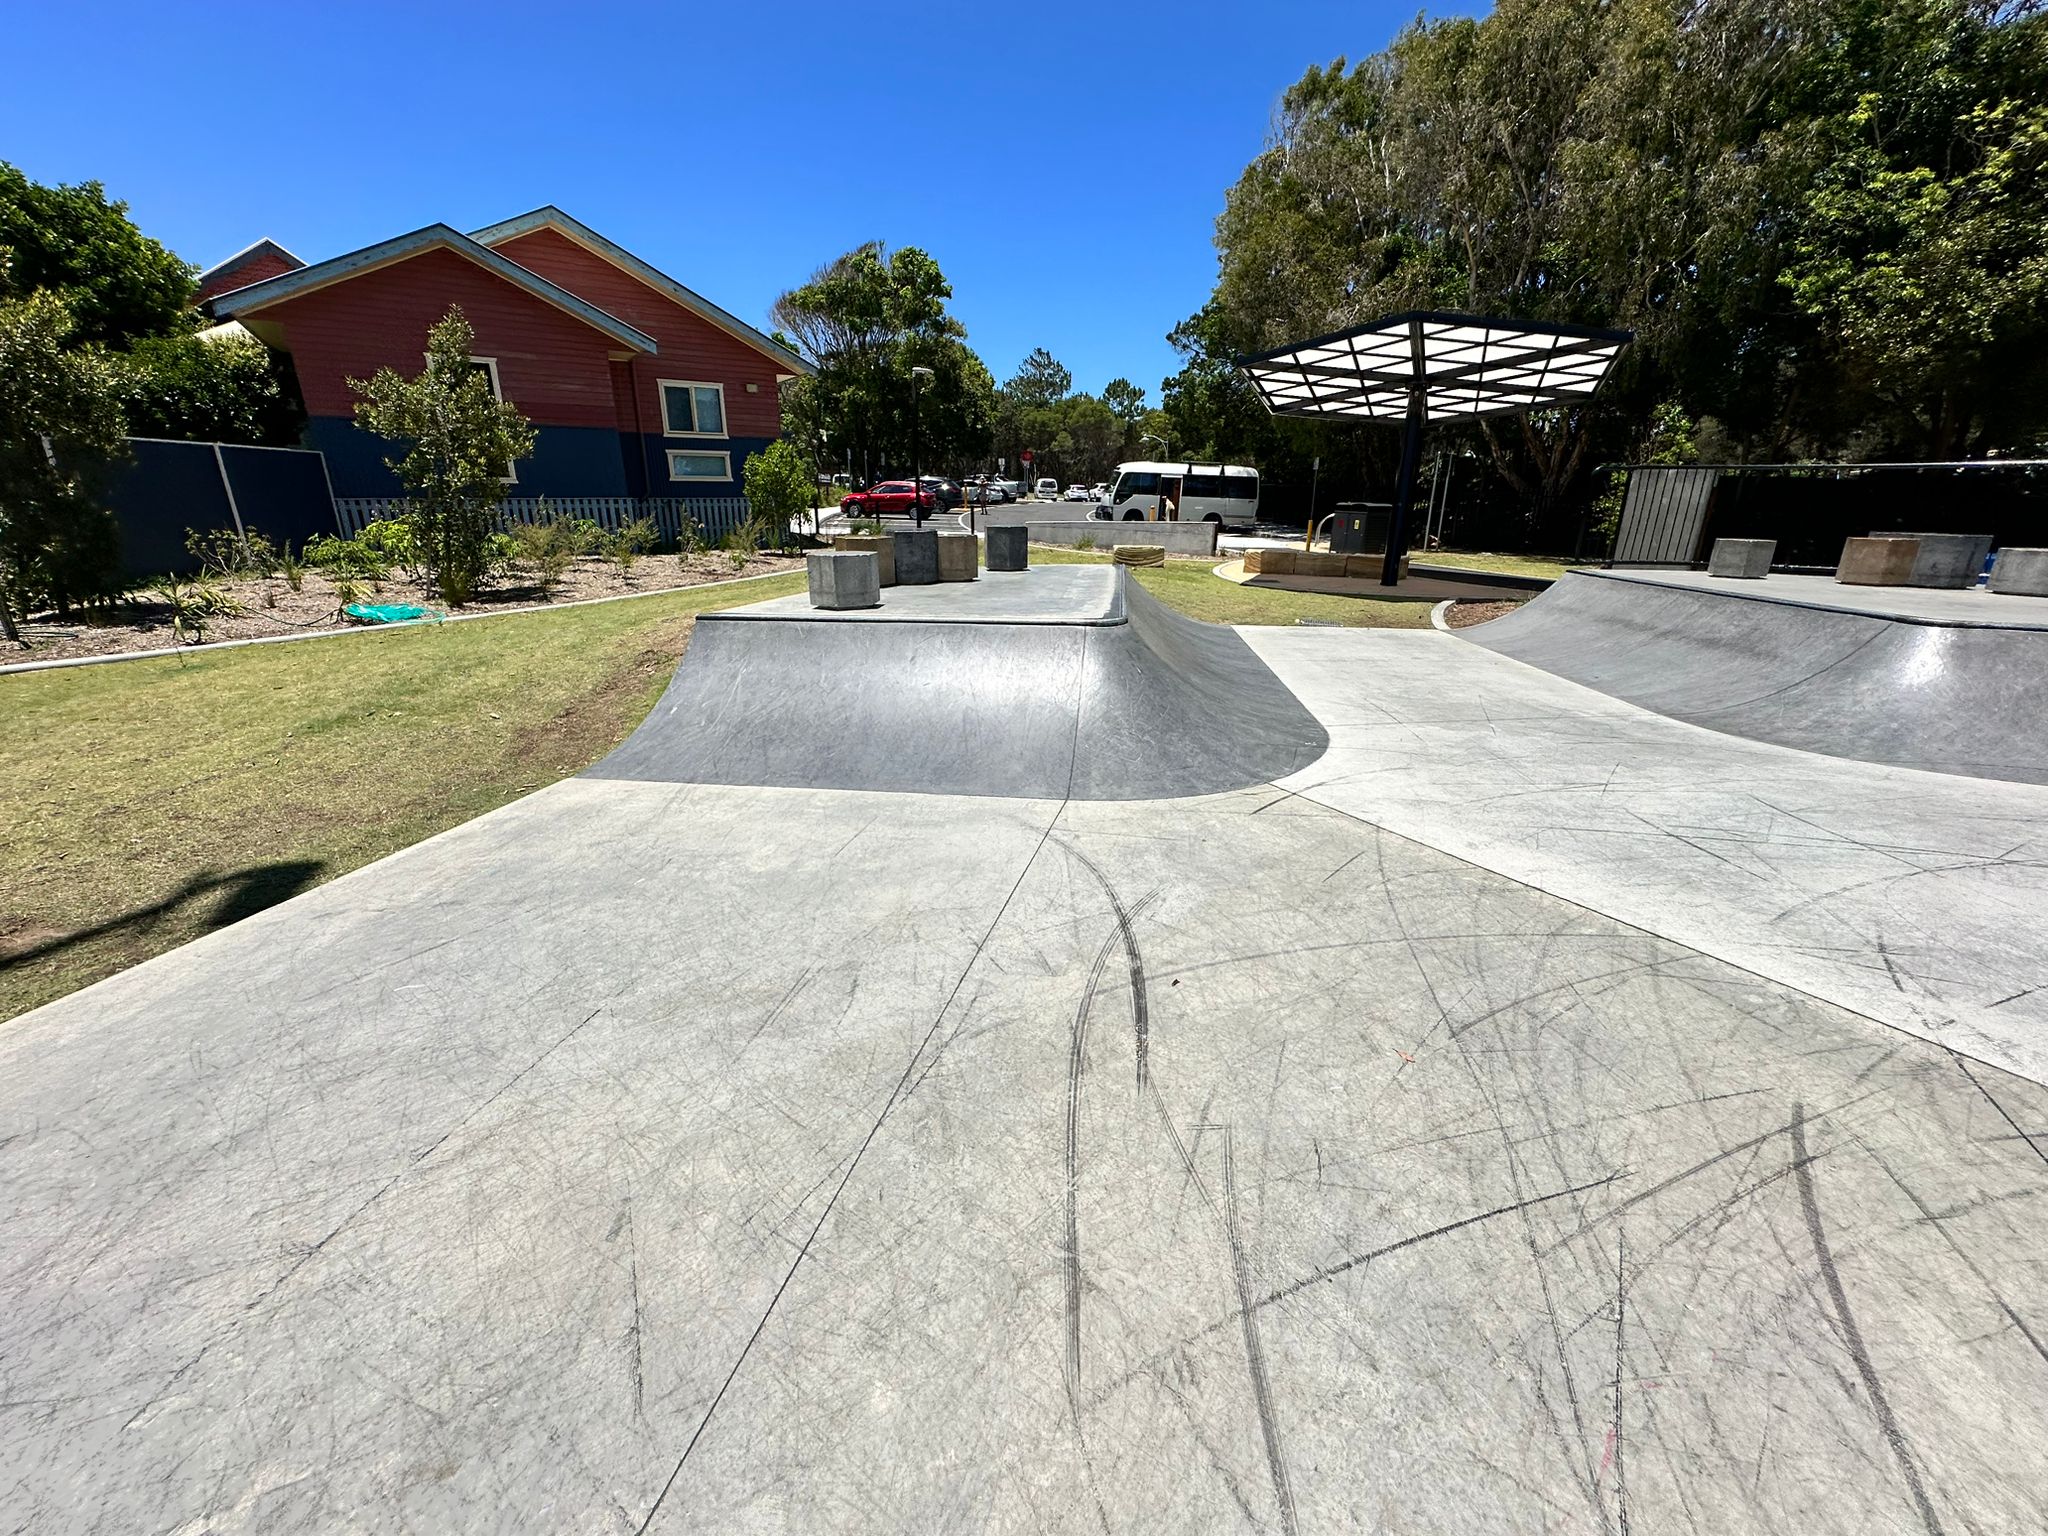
(551, 217)
(291, 285)
(248, 253)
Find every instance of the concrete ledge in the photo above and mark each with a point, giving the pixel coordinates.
(959, 557)
(2022, 572)
(881, 545)
(1174, 538)
(1877, 562)
(1950, 560)
(1009, 547)
(917, 557)
(844, 578)
(1742, 559)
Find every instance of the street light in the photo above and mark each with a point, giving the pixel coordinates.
(916, 453)
(1153, 437)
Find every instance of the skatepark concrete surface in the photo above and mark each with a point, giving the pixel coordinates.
(1915, 689)
(1313, 1155)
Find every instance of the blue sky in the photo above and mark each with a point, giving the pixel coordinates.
(1063, 162)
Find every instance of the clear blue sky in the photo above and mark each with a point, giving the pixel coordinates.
(1063, 162)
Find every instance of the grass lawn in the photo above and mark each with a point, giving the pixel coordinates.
(145, 803)
(1513, 565)
(1191, 585)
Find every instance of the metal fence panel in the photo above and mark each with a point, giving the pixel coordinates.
(1664, 515)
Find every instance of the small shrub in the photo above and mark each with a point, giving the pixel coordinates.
(391, 543)
(223, 552)
(549, 545)
(870, 527)
(689, 537)
(750, 535)
(348, 589)
(1086, 541)
(193, 605)
(291, 567)
(738, 557)
(627, 543)
(345, 557)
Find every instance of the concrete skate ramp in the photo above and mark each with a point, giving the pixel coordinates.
(1962, 699)
(1141, 704)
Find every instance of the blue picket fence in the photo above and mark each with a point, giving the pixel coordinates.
(713, 517)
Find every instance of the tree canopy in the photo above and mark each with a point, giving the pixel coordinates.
(864, 321)
(1825, 220)
(116, 282)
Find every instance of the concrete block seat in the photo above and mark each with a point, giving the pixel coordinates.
(881, 545)
(1885, 562)
(844, 578)
(2023, 572)
(1742, 559)
(917, 557)
(959, 557)
(1945, 559)
(1009, 547)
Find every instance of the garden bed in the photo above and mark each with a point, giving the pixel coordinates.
(269, 605)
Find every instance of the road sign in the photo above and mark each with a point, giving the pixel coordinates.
(1025, 456)
(1001, 465)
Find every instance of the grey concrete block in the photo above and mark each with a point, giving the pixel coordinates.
(1886, 562)
(1945, 559)
(1009, 547)
(917, 557)
(880, 544)
(1175, 538)
(2021, 571)
(959, 557)
(1747, 559)
(844, 578)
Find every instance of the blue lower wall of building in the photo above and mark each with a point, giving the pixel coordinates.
(566, 461)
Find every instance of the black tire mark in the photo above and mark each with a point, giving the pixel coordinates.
(1255, 1355)
(1140, 1005)
(1076, 1060)
(1845, 1319)
(1978, 1084)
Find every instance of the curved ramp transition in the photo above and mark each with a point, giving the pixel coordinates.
(1138, 703)
(1949, 698)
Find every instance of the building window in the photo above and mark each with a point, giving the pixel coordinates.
(699, 466)
(692, 410)
(488, 367)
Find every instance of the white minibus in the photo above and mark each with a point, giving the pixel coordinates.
(1190, 493)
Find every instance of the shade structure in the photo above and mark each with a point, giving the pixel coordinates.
(1432, 365)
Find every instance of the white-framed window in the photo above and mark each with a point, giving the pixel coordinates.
(686, 464)
(488, 367)
(690, 409)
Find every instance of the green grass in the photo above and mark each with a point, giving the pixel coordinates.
(1550, 567)
(145, 803)
(1192, 586)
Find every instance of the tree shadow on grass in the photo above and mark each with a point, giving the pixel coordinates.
(242, 893)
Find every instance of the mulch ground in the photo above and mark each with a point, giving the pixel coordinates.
(1465, 615)
(271, 607)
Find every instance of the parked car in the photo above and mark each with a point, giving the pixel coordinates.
(985, 494)
(891, 496)
(1013, 490)
(1079, 493)
(948, 491)
(1047, 490)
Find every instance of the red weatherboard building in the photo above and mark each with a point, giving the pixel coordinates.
(635, 385)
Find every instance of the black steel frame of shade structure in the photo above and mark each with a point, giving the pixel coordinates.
(1432, 365)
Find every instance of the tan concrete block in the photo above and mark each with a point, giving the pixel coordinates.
(1270, 562)
(1139, 554)
(1877, 562)
(959, 557)
(882, 546)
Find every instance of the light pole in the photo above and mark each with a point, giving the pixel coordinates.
(1159, 503)
(916, 453)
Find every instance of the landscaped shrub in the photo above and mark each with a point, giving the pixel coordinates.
(625, 544)
(193, 605)
(345, 557)
(549, 545)
(391, 541)
(224, 552)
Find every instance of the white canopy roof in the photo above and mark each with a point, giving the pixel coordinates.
(1463, 366)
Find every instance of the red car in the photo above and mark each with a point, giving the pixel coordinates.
(889, 496)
